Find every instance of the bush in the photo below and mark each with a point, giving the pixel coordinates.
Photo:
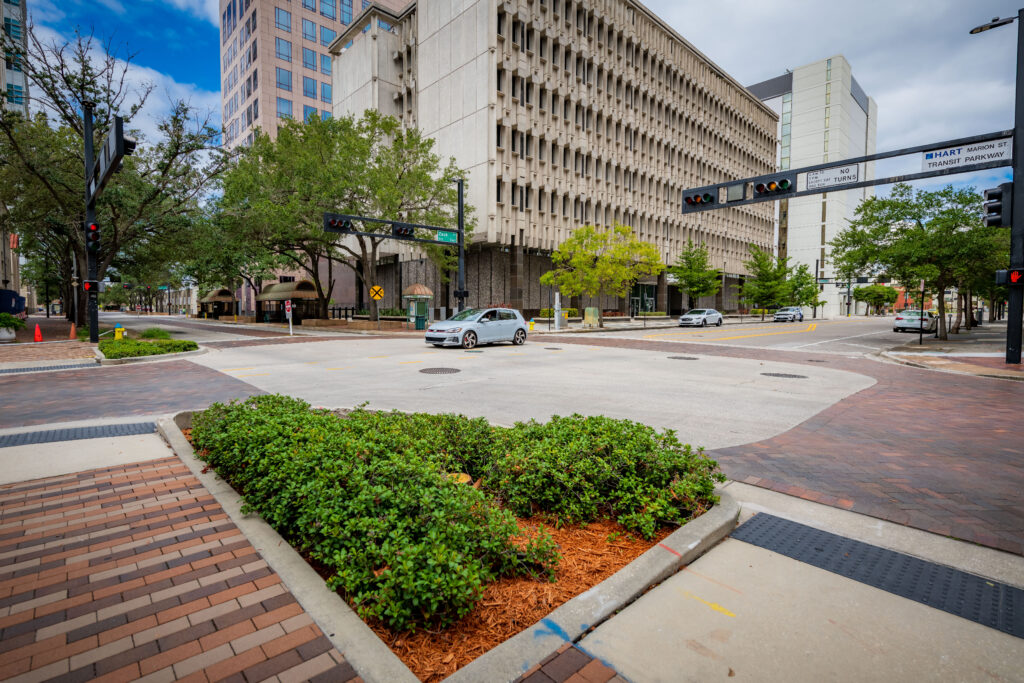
(407, 544)
(644, 314)
(133, 348)
(11, 322)
(368, 496)
(550, 312)
(155, 333)
(759, 311)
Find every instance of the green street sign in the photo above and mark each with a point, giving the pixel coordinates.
(447, 236)
(824, 280)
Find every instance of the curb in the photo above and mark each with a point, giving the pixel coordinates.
(506, 662)
(924, 366)
(103, 360)
(362, 648)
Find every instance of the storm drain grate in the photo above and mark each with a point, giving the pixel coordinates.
(440, 371)
(47, 368)
(783, 375)
(76, 433)
(985, 602)
(683, 358)
(811, 360)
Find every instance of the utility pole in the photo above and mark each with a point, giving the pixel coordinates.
(90, 218)
(461, 292)
(1015, 313)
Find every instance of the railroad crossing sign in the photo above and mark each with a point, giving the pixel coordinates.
(376, 292)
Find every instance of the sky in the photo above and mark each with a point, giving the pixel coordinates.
(932, 81)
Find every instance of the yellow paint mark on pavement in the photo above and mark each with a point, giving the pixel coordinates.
(713, 605)
(407, 362)
(810, 328)
(377, 356)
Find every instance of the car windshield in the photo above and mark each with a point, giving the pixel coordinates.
(787, 310)
(468, 314)
(911, 314)
(696, 311)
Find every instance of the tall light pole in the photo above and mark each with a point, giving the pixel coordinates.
(1015, 300)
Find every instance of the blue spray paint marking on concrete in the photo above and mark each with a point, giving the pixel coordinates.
(553, 629)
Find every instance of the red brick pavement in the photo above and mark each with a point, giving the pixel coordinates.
(135, 571)
(569, 664)
(118, 390)
(69, 350)
(936, 451)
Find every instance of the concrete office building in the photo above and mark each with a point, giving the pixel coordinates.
(563, 113)
(824, 115)
(14, 97)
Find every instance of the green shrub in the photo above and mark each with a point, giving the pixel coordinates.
(132, 348)
(550, 312)
(155, 333)
(368, 496)
(405, 543)
(651, 313)
(11, 322)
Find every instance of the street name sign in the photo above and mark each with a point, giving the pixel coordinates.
(447, 236)
(967, 155)
(837, 175)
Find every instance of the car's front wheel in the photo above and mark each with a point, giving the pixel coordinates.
(704, 322)
(719, 323)
(520, 338)
(469, 340)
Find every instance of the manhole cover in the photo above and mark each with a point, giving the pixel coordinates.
(440, 371)
(552, 348)
(682, 358)
(816, 361)
(784, 375)
(474, 351)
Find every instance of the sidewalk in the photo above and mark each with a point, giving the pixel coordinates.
(980, 351)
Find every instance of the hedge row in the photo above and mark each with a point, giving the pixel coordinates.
(132, 348)
(369, 496)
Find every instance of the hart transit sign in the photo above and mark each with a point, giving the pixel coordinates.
(838, 175)
(967, 155)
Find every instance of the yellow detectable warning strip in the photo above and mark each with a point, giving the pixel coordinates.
(713, 605)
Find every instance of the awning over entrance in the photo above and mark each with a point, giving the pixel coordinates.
(222, 295)
(280, 291)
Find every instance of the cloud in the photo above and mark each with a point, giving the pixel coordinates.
(208, 10)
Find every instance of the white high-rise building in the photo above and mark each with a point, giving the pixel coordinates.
(824, 115)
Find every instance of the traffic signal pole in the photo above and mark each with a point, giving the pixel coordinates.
(1015, 300)
(461, 293)
(92, 302)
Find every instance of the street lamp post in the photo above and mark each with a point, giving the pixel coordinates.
(1015, 312)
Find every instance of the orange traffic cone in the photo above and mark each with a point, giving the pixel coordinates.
(39, 333)
(74, 332)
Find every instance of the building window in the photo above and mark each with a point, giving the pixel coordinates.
(309, 87)
(309, 58)
(499, 137)
(283, 49)
(13, 61)
(309, 4)
(309, 112)
(284, 79)
(283, 19)
(327, 36)
(284, 108)
(325, 65)
(346, 11)
(325, 92)
(12, 28)
(329, 8)
(325, 115)
(15, 94)
(308, 30)
(498, 194)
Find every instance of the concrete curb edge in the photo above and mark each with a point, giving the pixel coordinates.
(151, 359)
(376, 662)
(360, 645)
(888, 355)
(568, 623)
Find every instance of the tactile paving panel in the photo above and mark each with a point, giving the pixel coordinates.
(986, 602)
(47, 368)
(76, 433)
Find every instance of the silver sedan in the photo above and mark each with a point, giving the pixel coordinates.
(910, 321)
(478, 326)
(701, 317)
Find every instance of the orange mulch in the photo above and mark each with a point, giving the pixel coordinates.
(512, 605)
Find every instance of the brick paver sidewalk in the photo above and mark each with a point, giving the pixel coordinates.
(136, 573)
(20, 353)
(936, 451)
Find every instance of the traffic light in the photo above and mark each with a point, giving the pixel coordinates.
(998, 206)
(92, 238)
(91, 287)
(774, 186)
(127, 286)
(335, 222)
(1013, 276)
(699, 199)
(402, 231)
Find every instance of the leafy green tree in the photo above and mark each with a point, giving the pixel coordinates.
(155, 196)
(766, 283)
(277, 193)
(598, 263)
(875, 296)
(694, 274)
(937, 236)
(801, 287)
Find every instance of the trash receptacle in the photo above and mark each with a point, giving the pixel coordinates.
(421, 322)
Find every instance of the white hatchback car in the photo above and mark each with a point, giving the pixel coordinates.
(478, 326)
(910, 321)
(701, 317)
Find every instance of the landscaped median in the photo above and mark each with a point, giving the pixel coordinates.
(449, 535)
(116, 351)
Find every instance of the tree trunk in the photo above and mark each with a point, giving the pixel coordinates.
(942, 316)
(959, 314)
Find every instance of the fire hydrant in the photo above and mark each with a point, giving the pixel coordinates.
(531, 324)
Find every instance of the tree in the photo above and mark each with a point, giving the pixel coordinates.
(277, 193)
(876, 296)
(937, 236)
(766, 285)
(597, 263)
(693, 273)
(801, 287)
(153, 198)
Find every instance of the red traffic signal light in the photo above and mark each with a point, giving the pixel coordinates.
(400, 230)
(334, 222)
(699, 199)
(775, 186)
(92, 237)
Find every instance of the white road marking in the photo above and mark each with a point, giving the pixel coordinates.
(825, 341)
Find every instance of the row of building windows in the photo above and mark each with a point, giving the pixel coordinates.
(284, 110)
(15, 94)
(13, 28)
(309, 85)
